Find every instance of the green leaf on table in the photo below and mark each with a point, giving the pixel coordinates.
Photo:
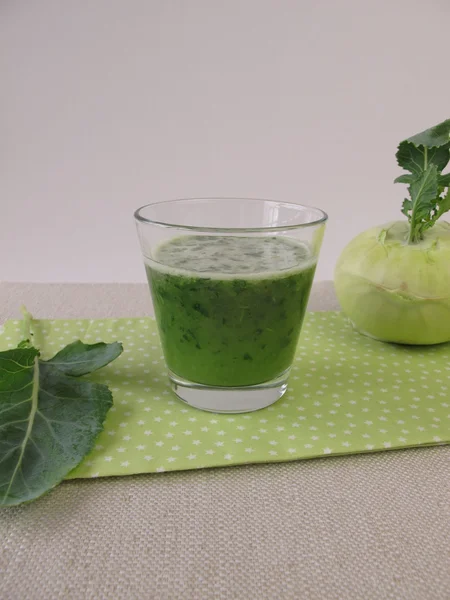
(444, 180)
(78, 359)
(49, 420)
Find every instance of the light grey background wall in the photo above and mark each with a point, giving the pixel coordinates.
(108, 104)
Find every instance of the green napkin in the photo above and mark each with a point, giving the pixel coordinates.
(347, 394)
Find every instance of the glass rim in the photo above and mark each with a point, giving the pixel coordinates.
(323, 217)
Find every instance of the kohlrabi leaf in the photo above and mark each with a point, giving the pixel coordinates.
(49, 420)
(78, 359)
(425, 156)
(407, 207)
(423, 192)
(431, 146)
(443, 204)
(416, 158)
(424, 189)
(406, 178)
(436, 136)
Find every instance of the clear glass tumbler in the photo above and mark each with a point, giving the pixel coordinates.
(230, 280)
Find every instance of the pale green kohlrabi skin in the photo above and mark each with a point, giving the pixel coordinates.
(397, 292)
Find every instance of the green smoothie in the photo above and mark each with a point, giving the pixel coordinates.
(229, 309)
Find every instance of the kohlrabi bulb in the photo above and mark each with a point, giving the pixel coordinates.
(394, 291)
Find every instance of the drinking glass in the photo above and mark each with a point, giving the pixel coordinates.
(230, 280)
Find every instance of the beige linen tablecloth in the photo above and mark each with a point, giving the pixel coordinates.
(356, 527)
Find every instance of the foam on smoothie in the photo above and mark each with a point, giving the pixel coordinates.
(227, 257)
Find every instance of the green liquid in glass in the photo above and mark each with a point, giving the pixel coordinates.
(229, 309)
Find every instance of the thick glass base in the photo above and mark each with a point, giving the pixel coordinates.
(229, 399)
